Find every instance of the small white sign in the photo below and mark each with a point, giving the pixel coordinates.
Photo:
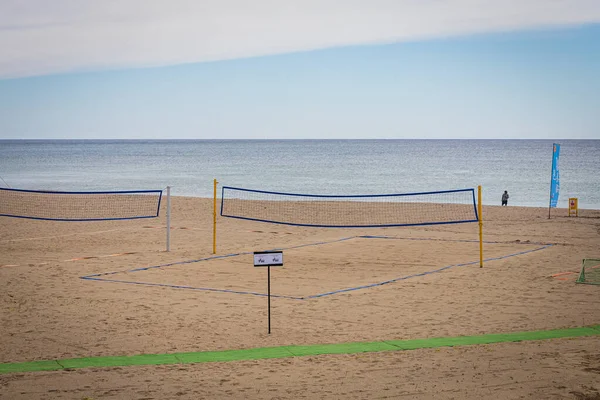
(268, 258)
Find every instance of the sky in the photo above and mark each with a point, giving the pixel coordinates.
(271, 69)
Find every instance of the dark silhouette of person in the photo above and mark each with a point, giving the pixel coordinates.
(505, 197)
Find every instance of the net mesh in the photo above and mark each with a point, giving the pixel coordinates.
(79, 206)
(590, 271)
(444, 207)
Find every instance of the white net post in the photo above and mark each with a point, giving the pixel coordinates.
(168, 218)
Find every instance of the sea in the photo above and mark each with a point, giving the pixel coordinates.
(340, 167)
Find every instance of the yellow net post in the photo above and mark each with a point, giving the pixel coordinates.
(479, 210)
(215, 216)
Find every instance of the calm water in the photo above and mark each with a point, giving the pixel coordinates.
(309, 166)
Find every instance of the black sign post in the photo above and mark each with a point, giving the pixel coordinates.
(268, 259)
(269, 295)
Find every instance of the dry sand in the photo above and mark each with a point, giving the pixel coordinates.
(48, 312)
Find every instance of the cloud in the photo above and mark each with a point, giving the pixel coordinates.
(41, 37)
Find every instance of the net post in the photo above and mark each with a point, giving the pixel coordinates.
(168, 218)
(215, 183)
(479, 209)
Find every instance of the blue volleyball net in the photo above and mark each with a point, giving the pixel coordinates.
(350, 211)
(79, 206)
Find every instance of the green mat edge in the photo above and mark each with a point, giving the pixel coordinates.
(293, 351)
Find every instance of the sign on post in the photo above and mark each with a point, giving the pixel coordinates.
(268, 259)
(573, 206)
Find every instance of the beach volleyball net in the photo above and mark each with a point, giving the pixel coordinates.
(350, 211)
(79, 206)
(590, 271)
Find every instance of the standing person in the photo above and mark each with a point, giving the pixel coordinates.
(505, 198)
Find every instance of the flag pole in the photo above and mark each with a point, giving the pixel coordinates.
(554, 177)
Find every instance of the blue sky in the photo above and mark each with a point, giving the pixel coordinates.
(525, 82)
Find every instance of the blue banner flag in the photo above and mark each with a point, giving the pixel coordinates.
(554, 182)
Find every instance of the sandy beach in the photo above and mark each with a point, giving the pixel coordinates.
(149, 301)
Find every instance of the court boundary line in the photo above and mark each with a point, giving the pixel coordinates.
(99, 276)
(293, 351)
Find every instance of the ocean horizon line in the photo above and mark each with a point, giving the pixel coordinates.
(121, 140)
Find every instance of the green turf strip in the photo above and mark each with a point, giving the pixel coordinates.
(30, 366)
(341, 348)
(293, 351)
(493, 338)
(118, 361)
(235, 355)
